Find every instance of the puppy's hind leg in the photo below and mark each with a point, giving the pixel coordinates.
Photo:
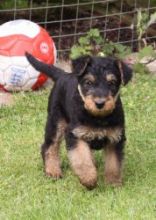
(113, 163)
(51, 146)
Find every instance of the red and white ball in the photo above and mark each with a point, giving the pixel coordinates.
(17, 37)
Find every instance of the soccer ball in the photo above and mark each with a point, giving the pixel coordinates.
(17, 37)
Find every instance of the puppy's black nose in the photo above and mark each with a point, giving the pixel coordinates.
(99, 104)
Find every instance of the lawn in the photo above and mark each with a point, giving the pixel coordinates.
(25, 193)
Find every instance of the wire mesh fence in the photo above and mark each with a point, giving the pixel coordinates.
(67, 20)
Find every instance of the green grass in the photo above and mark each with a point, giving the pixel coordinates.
(25, 193)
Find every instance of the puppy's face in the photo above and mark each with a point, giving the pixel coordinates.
(99, 92)
(98, 84)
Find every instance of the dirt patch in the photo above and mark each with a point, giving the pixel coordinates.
(6, 99)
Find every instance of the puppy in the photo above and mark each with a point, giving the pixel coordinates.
(86, 108)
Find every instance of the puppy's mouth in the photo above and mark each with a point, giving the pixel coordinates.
(98, 106)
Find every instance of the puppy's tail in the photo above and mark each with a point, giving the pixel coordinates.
(51, 71)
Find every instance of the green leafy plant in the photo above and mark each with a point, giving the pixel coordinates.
(88, 45)
(140, 68)
(145, 56)
(147, 53)
(94, 44)
(144, 20)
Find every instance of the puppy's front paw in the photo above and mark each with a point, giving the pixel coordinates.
(113, 180)
(54, 173)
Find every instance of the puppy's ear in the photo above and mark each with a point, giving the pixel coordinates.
(125, 72)
(80, 64)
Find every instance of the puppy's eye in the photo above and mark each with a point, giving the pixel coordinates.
(88, 83)
(111, 83)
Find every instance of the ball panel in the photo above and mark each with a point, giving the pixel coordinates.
(21, 77)
(15, 76)
(32, 72)
(22, 60)
(20, 26)
(21, 46)
(40, 81)
(5, 61)
(43, 47)
(2, 80)
(15, 45)
(6, 43)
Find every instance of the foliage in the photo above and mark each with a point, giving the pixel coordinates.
(94, 44)
(140, 68)
(147, 52)
(145, 55)
(140, 3)
(143, 23)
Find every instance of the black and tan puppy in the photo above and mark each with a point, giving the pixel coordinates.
(85, 105)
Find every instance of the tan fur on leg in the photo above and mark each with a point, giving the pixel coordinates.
(52, 160)
(82, 163)
(112, 167)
